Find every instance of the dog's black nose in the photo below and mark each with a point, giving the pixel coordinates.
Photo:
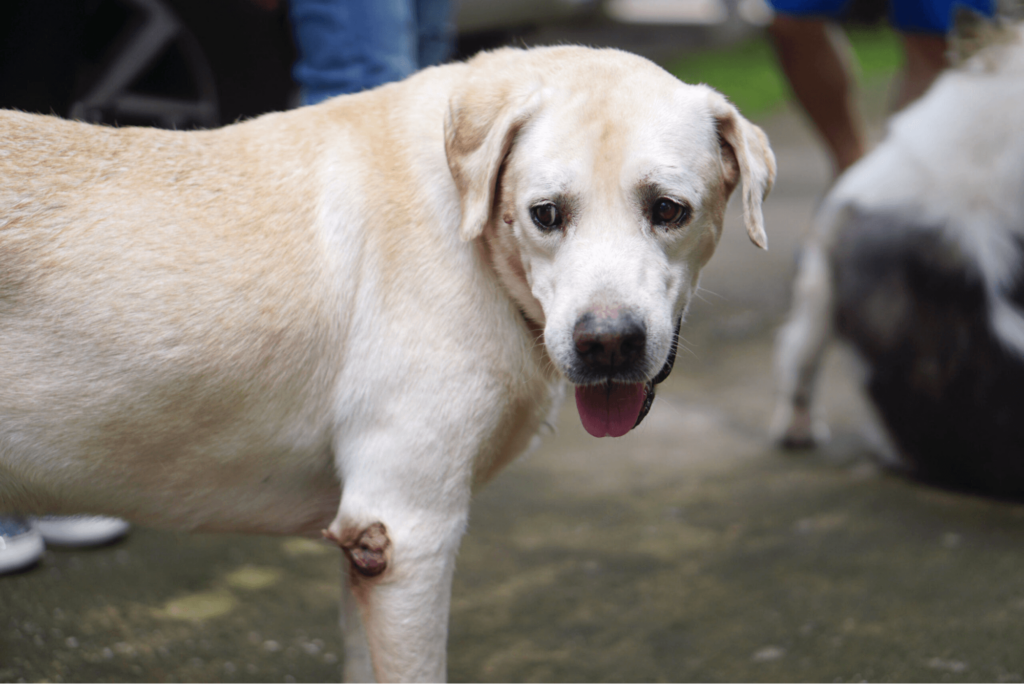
(610, 341)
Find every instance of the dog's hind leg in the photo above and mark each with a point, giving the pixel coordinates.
(799, 349)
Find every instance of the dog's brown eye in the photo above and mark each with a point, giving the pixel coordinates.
(546, 216)
(665, 212)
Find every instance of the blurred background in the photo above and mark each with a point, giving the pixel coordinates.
(204, 63)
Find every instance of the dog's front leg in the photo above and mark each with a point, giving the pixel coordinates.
(358, 666)
(799, 349)
(400, 530)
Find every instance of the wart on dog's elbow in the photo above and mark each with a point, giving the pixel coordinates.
(367, 550)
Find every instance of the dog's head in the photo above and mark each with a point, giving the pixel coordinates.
(599, 183)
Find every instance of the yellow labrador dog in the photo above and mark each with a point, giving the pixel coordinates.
(345, 317)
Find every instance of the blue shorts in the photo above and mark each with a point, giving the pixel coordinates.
(910, 16)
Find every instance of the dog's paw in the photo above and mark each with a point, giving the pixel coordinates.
(795, 428)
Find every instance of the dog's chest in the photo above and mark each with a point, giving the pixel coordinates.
(528, 416)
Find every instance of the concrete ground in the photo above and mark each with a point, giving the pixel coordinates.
(689, 550)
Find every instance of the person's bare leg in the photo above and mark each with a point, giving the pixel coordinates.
(925, 56)
(818, 63)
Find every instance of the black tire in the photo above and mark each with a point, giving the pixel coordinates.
(167, 63)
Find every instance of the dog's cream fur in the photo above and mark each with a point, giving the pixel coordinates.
(343, 316)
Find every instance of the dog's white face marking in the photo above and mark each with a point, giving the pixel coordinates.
(612, 204)
(606, 196)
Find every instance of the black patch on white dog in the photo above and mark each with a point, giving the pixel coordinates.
(949, 393)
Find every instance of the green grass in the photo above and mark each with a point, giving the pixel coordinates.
(749, 76)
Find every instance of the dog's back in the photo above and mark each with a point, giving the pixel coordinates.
(141, 303)
(180, 311)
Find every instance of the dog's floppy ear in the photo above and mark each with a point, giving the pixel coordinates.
(479, 130)
(746, 154)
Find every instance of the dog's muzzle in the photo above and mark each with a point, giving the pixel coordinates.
(613, 394)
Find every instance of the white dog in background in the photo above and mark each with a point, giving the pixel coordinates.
(347, 316)
(916, 260)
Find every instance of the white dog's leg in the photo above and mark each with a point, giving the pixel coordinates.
(358, 666)
(400, 529)
(799, 349)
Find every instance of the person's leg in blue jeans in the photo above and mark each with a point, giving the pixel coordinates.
(345, 46)
(434, 31)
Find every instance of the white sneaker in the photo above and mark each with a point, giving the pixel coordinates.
(80, 530)
(20, 544)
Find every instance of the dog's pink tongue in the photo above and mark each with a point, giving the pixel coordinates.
(609, 409)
